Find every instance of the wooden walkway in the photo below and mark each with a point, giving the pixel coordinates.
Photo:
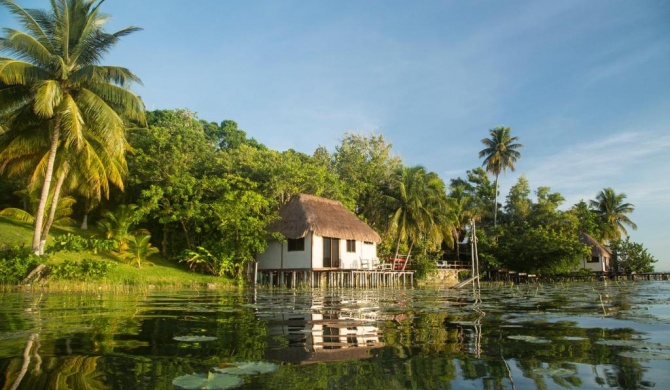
(335, 278)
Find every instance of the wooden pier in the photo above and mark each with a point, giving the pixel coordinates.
(335, 278)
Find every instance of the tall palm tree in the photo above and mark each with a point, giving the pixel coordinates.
(500, 154)
(55, 80)
(612, 212)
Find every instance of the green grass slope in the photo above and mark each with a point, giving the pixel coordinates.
(159, 273)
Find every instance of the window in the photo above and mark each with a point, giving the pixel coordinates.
(351, 246)
(296, 245)
(594, 259)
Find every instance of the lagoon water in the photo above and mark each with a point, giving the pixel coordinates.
(556, 336)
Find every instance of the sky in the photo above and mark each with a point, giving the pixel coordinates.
(585, 85)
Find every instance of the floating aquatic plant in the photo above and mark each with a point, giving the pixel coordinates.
(248, 368)
(209, 381)
(529, 339)
(194, 339)
(646, 355)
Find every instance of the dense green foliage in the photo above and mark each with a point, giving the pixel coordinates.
(631, 257)
(16, 262)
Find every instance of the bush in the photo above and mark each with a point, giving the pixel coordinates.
(87, 269)
(16, 262)
(74, 243)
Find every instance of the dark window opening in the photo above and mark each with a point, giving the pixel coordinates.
(594, 259)
(296, 245)
(351, 246)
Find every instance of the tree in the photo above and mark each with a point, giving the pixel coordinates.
(55, 83)
(631, 257)
(461, 211)
(613, 213)
(420, 211)
(500, 154)
(365, 163)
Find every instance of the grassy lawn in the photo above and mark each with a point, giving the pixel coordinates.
(159, 273)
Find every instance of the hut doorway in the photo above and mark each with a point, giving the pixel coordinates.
(331, 252)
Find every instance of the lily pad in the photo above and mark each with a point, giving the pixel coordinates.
(529, 339)
(646, 355)
(194, 339)
(248, 368)
(209, 381)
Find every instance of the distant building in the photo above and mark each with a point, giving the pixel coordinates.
(600, 258)
(320, 234)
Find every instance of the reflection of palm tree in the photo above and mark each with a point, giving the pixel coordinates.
(612, 212)
(499, 155)
(56, 84)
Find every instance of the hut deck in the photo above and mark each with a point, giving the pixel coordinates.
(335, 277)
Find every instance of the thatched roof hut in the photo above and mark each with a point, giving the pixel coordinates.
(327, 218)
(597, 249)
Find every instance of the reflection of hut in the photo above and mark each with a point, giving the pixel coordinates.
(319, 337)
(599, 260)
(321, 234)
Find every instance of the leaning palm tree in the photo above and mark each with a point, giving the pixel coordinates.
(612, 212)
(54, 81)
(499, 155)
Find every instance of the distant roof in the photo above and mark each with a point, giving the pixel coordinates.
(327, 218)
(597, 249)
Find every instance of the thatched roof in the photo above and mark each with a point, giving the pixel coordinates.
(597, 249)
(327, 218)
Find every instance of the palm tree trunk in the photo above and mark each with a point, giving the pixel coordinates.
(52, 209)
(495, 206)
(39, 215)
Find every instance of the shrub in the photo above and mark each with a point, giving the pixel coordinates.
(74, 243)
(16, 262)
(87, 269)
(68, 242)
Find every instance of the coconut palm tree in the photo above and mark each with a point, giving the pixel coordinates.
(419, 207)
(612, 212)
(500, 154)
(462, 210)
(88, 171)
(54, 82)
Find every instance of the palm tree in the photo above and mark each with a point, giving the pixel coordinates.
(499, 155)
(55, 83)
(419, 207)
(87, 172)
(612, 212)
(462, 210)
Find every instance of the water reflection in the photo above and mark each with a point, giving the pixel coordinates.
(502, 337)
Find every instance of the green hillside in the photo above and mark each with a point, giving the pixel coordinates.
(159, 273)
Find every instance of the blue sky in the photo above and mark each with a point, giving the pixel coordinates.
(583, 84)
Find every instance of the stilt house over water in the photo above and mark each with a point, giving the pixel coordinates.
(321, 234)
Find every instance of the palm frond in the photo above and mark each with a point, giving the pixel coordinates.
(72, 122)
(47, 97)
(18, 214)
(28, 18)
(26, 47)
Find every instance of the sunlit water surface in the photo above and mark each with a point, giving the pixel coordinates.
(613, 335)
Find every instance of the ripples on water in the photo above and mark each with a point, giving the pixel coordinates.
(502, 337)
